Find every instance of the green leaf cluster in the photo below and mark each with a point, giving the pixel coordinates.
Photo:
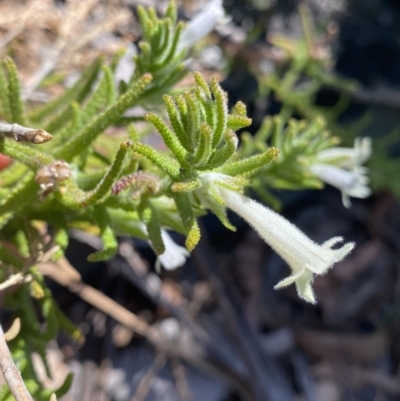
(202, 139)
(299, 141)
(110, 184)
(68, 181)
(159, 50)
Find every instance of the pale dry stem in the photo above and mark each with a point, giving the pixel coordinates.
(11, 374)
(24, 134)
(15, 279)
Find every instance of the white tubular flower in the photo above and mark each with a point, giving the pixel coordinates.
(174, 255)
(202, 24)
(305, 257)
(342, 168)
(350, 183)
(348, 158)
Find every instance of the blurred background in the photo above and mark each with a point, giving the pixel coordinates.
(226, 334)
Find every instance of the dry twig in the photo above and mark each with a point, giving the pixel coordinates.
(145, 385)
(24, 134)
(99, 300)
(15, 279)
(11, 374)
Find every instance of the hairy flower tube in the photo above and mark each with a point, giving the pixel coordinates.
(305, 258)
(350, 183)
(342, 168)
(174, 256)
(348, 158)
(202, 24)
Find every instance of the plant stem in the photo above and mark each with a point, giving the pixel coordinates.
(11, 374)
(24, 134)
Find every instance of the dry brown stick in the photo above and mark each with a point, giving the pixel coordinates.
(11, 374)
(182, 385)
(145, 385)
(24, 134)
(198, 349)
(101, 302)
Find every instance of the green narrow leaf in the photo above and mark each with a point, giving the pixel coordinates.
(165, 163)
(239, 109)
(193, 237)
(75, 198)
(110, 243)
(203, 151)
(171, 12)
(265, 130)
(175, 121)
(202, 83)
(288, 139)
(169, 137)
(149, 216)
(25, 154)
(103, 95)
(185, 209)
(5, 111)
(194, 118)
(152, 15)
(162, 45)
(23, 193)
(111, 94)
(21, 240)
(251, 164)
(207, 107)
(49, 315)
(84, 138)
(220, 212)
(143, 61)
(16, 103)
(74, 94)
(236, 122)
(186, 186)
(222, 155)
(99, 97)
(145, 23)
(314, 128)
(277, 133)
(221, 102)
(158, 36)
(12, 174)
(172, 53)
(247, 145)
(60, 239)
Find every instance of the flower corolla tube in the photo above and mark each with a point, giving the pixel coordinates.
(174, 255)
(305, 258)
(342, 168)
